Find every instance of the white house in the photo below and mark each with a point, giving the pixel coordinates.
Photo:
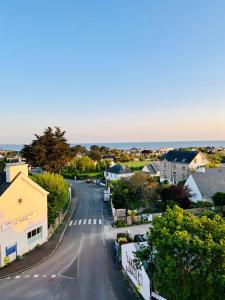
(117, 172)
(153, 168)
(205, 183)
(23, 213)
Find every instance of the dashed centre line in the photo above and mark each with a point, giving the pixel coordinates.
(28, 276)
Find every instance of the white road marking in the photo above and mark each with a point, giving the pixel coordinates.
(100, 221)
(80, 221)
(94, 221)
(71, 222)
(26, 276)
(36, 276)
(85, 221)
(8, 278)
(44, 275)
(17, 277)
(75, 223)
(53, 276)
(89, 221)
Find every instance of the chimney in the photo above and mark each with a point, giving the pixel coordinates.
(13, 169)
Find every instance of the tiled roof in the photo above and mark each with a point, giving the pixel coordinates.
(180, 156)
(210, 182)
(119, 169)
(153, 167)
(3, 184)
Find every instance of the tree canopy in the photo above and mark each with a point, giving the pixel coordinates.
(186, 256)
(50, 151)
(58, 190)
(134, 192)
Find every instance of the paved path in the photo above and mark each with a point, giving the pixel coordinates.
(82, 267)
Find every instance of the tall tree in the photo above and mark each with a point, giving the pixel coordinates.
(186, 256)
(49, 150)
(175, 194)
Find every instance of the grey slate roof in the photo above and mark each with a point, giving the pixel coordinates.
(180, 156)
(210, 182)
(153, 167)
(3, 184)
(119, 169)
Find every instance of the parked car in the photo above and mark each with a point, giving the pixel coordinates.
(139, 238)
(89, 181)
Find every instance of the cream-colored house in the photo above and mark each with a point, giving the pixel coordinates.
(23, 213)
(177, 165)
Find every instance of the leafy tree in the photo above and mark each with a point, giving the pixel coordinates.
(186, 256)
(125, 157)
(84, 164)
(175, 194)
(78, 150)
(219, 199)
(94, 155)
(214, 160)
(141, 187)
(49, 150)
(120, 194)
(134, 192)
(58, 190)
(2, 165)
(102, 165)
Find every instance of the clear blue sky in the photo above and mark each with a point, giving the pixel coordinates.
(112, 70)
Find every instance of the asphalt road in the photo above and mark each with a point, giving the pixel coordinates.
(82, 268)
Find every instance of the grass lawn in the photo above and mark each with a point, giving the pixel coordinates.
(136, 164)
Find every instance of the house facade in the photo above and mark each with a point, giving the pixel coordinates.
(23, 213)
(117, 172)
(153, 168)
(177, 165)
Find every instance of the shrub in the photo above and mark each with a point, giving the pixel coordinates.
(202, 204)
(122, 240)
(120, 223)
(219, 199)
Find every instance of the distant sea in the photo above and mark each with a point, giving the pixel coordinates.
(139, 145)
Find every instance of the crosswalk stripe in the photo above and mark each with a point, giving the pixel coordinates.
(44, 275)
(86, 221)
(17, 277)
(35, 276)
(27, 276)
(53, 276)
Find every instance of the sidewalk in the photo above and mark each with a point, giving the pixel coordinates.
(41, 253)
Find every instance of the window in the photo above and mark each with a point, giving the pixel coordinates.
(34, 232)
